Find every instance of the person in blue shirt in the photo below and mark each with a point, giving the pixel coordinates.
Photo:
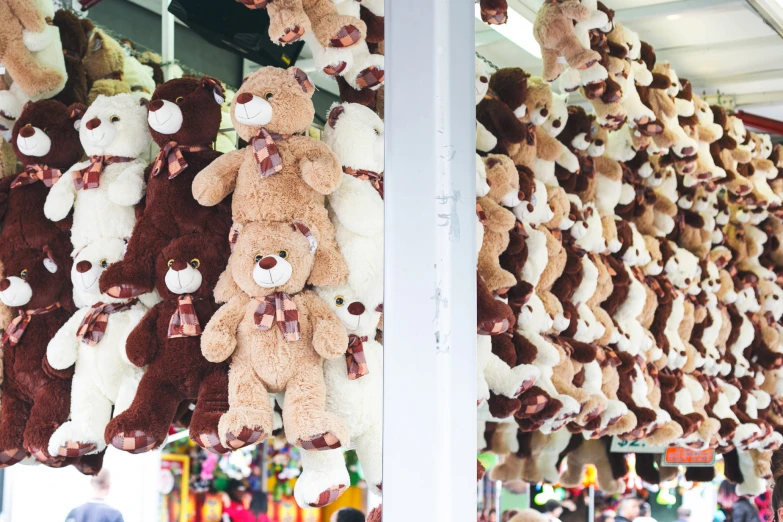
(96, 509)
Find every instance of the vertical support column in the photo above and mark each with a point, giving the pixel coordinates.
(167, 37)
(430, 292)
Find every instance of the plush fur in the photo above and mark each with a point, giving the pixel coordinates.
(74, 34)
(310, 170)
(554, 31)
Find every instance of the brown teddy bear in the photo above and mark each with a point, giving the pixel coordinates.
(267, 271)
(554, 31)
(280, 176)
(105, 63)
(74, 34)
(503, 181)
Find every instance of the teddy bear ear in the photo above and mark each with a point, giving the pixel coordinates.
(233, 236)
(49, 263)
(304, 81)
(76, 111)
(97, 42)
(334, 115)
(216, 87)
(301, 227)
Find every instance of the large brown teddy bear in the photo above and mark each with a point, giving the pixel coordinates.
(268, 271)
(167, 342)
(554, 31)
(280, 176)
(503, 179)
(184, 120)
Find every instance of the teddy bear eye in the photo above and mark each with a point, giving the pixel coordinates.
(104, 263)
(179, 100)
(259, 257)
(283, 254)
(23, 274)
(114, 119)
(170, 263)
(46, 130)
(195, 263)
(339, 301)
(268, 95)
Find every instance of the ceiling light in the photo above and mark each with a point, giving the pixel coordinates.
(518, 29)
(673, 17)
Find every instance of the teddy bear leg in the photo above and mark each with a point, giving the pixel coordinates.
(287, 21)
(307, 423)
(145, 424)
(510, 469)
(552, 67)
(135, 274)
(331, 28)
(51, 407)
(14, 416)
(249, 419)
(367, 71)
(212, 403)
(369, 449)
(90, 413)
(323, 480)
(33, 78)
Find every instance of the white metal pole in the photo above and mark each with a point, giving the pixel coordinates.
(167, 37)
(430, 295)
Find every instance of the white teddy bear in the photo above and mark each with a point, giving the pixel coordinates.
(485, 140)
(354, 392)
(103, 190)
(94, 339)
(355, 135)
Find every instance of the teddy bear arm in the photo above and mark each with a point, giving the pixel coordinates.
(499, 219)
(574, 10)
(318, 165)
(508, 127)
(547, 147)
(218, 341)
(63, 349)
(330, 340)
(218, 180)
(31, 18)
(61, 196)
(142, 343)
(128, 189)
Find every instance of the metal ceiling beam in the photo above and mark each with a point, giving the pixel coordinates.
(634, 14)
(758, 76)
(733, 45)
(745, 100)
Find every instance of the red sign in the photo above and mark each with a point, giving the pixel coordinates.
(689, 457)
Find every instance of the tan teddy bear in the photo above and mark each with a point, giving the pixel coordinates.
(503, 183)
(281, 175)
(554, 31)
(105, 64)
(277, 332)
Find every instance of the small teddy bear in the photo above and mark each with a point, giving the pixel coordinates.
(184, 118)
(267, 273)
(279, 176)
(93, 340)
(167, 343)
(103, 190)
(555, 33)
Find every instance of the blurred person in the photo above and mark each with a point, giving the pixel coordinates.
(627, 509)
(744, 510)
(606, 516)
(259, 505)
(553, 510)
(644, 510)
(683, 514)
(236, 500)
(777, 491)
(96, 509)
(347, 515)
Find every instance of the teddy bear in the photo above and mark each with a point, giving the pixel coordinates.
(554, 31)
(105, 65)
(184, 117)
(93, 340)
(36, 397)
(266, 274)
(32, 54)
(611, 468)
(167, 343)
(595, 78)
(103, 190)
(74, 35)
(728, 156)
(485, 141)
(355, 134)
(279, 176)
(354, 392)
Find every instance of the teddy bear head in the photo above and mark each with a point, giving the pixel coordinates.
(105, 57)
(35, 278)
(510, 85)
(482, 80)
(189, 265)
(359, 318)
(88, 265)
(710, 277)
(655, 266)
(503, 180)
(533, 207)
(279, 100)
(682, 269)
(578, 130)
(115, 126)
(45, 134)
(186, 111)
(558, 115)
(588, 229)
(538, 100)
(272, 257)
(771, 299)
(534, 316)
(355, 134)
(763, 145)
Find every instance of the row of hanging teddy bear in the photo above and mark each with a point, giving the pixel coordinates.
(114, 270)
(629, 264)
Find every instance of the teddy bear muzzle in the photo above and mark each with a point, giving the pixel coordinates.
(85, 276)
(272, 271)
(14, 291)
(164, 117)
(34, 142)
(252, 110)
(98, 132)
(183, 278)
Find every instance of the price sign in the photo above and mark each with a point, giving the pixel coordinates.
(689, 457)
(634, 446)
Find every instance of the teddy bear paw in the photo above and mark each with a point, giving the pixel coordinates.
(133, 442)
(38, 41)
(43, 456)
(244, 437)
(494, 16)
(124, 291)
(75, 449)
(335, 69)
(11, 457)
(211, 443)
(322, 442)
(370, 78)
(328, 496)
(346, 36)
(291, 34)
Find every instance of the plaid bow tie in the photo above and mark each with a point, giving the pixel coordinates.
(15, 330)
(34, 173)
(184, 322)
(94, 324)
(481, 214)
(278, 307)
(354, 357)
(90, 177)
(170, 157)
(266, 152)
(367, 175)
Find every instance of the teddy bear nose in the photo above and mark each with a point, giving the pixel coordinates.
(599, 143)
(688, 151)
(556, 124)
(27, 131)
(155, 105)
(93, 123)
(483, 79)
(268, 263)
(356, 308)
(83, 266)
(179, 265)
(544, 112)
(244, 98)
(4, 285)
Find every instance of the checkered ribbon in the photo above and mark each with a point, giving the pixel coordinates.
(90, 177)
(93, 326)
(13, 334)
(254, 4)
(184, 322)
(34, 173)
(354, 357)
(266, 152)
(170, 157)
(367, 175)
(482, 216)
(280, 308)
